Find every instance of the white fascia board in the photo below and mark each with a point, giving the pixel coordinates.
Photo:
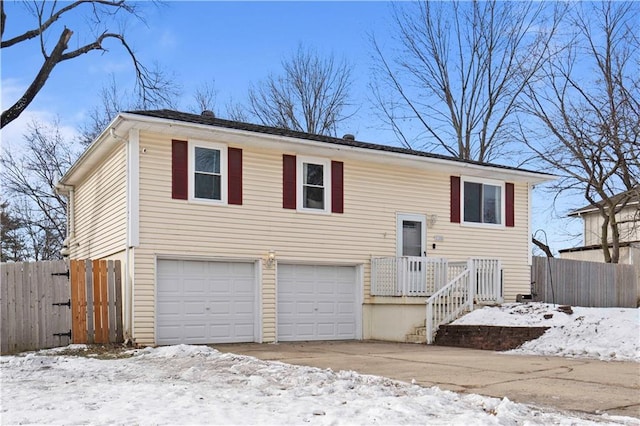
(115, 133)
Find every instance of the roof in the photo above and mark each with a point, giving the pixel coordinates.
(202, 126)
(210, 120)
(599, 247)
(632, 197)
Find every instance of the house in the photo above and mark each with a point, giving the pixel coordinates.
(234, 232)
(628, 220)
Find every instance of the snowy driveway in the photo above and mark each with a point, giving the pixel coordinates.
(566, 383)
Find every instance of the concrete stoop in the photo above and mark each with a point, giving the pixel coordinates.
(419, 335)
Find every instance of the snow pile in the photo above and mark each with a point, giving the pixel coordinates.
(199, 385)
(611, 334)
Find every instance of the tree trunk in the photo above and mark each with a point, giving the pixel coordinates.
(43, 75)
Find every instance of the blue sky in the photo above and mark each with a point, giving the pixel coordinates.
(232, 43)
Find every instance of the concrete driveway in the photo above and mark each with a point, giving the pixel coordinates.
(562, 383)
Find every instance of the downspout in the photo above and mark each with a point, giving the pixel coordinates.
(129, 241)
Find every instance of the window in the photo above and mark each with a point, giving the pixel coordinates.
(314, 179)
(483, 202)
(207, 172)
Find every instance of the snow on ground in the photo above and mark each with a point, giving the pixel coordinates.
(199, 385)
(611, 334)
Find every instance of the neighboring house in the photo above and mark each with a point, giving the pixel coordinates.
(234, 232)
(628, 220)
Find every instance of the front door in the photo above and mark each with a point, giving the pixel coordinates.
(411, 234)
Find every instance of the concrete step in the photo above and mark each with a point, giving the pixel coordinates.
(415, 338)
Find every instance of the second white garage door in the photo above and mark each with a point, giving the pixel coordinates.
(202, 302)
(317, 302)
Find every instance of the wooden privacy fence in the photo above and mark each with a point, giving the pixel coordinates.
(96, 301)
(579, 283)
(46, 304)
(34, 306)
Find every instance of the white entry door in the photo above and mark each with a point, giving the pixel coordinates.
(411, 245)
(200, 302)
(317, 302)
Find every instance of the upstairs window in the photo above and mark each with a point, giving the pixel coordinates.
(208, 172)
(313, 187)
(312, 184)
(208, 180)
(483, 202)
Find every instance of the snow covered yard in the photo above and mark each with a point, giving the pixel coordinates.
(610, 334)
(200, 385)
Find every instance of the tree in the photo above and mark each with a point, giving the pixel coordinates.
(30, 177)
(459, 72)
(11, 239)
(586, 111)
(52, 16)
(311, 95)
(113, 100)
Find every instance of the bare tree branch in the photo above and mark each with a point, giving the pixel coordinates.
(152, 85)
(590, 121)
(461, 70)
(311, 95)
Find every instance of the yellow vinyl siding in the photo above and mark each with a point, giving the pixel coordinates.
(373, 195)
(100, 209)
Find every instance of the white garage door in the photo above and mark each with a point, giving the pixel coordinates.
(317, 302)
(205, 302)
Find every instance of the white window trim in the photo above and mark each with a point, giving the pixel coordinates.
(413, 217)
(503, 202)
(326, 163)
(223, 171)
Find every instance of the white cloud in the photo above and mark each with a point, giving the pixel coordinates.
(11, 91)
(12, 135)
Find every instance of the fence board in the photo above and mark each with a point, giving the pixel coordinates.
(79, 301)
(4, 306)
(117, 300)
(578, 283)
(100, 306)
(111, 300)
(89, 301)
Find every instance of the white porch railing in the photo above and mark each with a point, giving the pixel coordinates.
(449, 303)
(480, 280)
(407, 276)
(423, 276)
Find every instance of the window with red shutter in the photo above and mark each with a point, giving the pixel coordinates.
(234, 157)
(510, 219)
(455, 199)
(289, 181)
(179, 170)
(337, 187)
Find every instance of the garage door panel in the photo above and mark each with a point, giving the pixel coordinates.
(302, 308)
(194, 286)
(314, 301)
(205, 302)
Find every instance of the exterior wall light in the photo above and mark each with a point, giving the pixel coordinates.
(271, 259)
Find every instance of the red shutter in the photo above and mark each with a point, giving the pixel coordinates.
(179, 170)
(234, 160)
(337, 187)
(455, 199)
(509, 200)
(289, 181)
